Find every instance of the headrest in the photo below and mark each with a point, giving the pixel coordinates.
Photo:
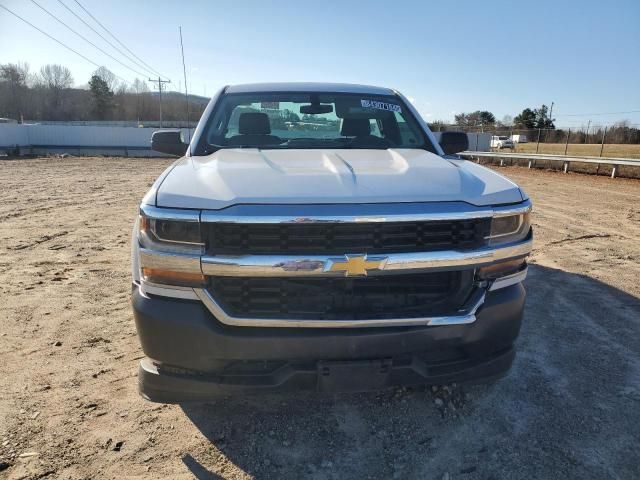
(355, 127)
(254, 123)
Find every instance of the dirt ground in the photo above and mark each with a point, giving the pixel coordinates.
(69, 407)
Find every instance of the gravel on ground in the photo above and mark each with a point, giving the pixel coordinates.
(69, 407)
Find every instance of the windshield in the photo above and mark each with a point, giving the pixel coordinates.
(311, 120)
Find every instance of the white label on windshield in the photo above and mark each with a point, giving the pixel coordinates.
(380, 105)
(270, 105)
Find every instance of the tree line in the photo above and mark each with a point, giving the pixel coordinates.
(537, 121)
(528, 119)
(50, 94)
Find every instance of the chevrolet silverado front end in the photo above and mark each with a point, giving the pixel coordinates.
(316, 236)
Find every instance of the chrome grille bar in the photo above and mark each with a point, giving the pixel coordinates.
(312, 265)
(293, 265)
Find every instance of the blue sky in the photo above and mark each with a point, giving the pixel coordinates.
(447, 56)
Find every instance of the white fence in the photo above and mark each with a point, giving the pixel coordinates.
(79, 140)
(566, 160)
(39, 139)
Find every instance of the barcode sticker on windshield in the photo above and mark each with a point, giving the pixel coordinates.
(270, 105)
(380, 105)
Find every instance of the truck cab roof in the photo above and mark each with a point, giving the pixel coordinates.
(308, 87)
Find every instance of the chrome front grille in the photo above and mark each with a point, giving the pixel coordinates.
(299, 294)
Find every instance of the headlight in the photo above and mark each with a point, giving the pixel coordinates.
(170, 235)
(171, 246)
(509, 228)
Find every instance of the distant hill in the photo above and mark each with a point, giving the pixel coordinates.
(37, 104)
(197, 99)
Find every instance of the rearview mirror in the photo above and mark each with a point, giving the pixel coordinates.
(168, 141)
(454, 142)
(316, 108)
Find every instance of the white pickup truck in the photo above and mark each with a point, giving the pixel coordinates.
(316, 236)
(501, 142)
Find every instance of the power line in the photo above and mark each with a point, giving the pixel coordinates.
(117, 40)
(101, 36)
(86, 39)
(577, 123)
(58, 41)
(601, 113)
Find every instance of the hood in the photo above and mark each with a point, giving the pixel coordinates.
(251, 176)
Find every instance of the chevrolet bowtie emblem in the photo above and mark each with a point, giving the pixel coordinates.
(355, 265)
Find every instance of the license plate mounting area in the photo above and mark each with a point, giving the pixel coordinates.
(353, 375)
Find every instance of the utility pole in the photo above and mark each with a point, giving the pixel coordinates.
(137, 104)
(551, 114)
(604, 133)
(186, 93)
(586, 135)
(159, 81)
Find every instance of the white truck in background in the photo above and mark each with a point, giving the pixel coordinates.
(501, 142)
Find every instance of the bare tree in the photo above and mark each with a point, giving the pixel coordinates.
(13, 89)
(108, 77)
(507, 120)
(140, 89)
(55, 80)
(139, 86)
(56, 77)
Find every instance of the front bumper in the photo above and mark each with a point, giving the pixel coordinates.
(191, 356)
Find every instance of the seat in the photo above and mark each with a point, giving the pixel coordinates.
(360, 129)
(255, 131)
(355, 127)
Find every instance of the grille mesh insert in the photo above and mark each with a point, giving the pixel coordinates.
(343, 298)
(340, 238)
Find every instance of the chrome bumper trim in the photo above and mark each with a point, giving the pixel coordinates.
(509, 280)
(315, 265)
(185, 293)
(169, 261)
(465, 317)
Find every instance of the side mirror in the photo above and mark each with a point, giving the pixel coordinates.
(454, 142)
(168, 141)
